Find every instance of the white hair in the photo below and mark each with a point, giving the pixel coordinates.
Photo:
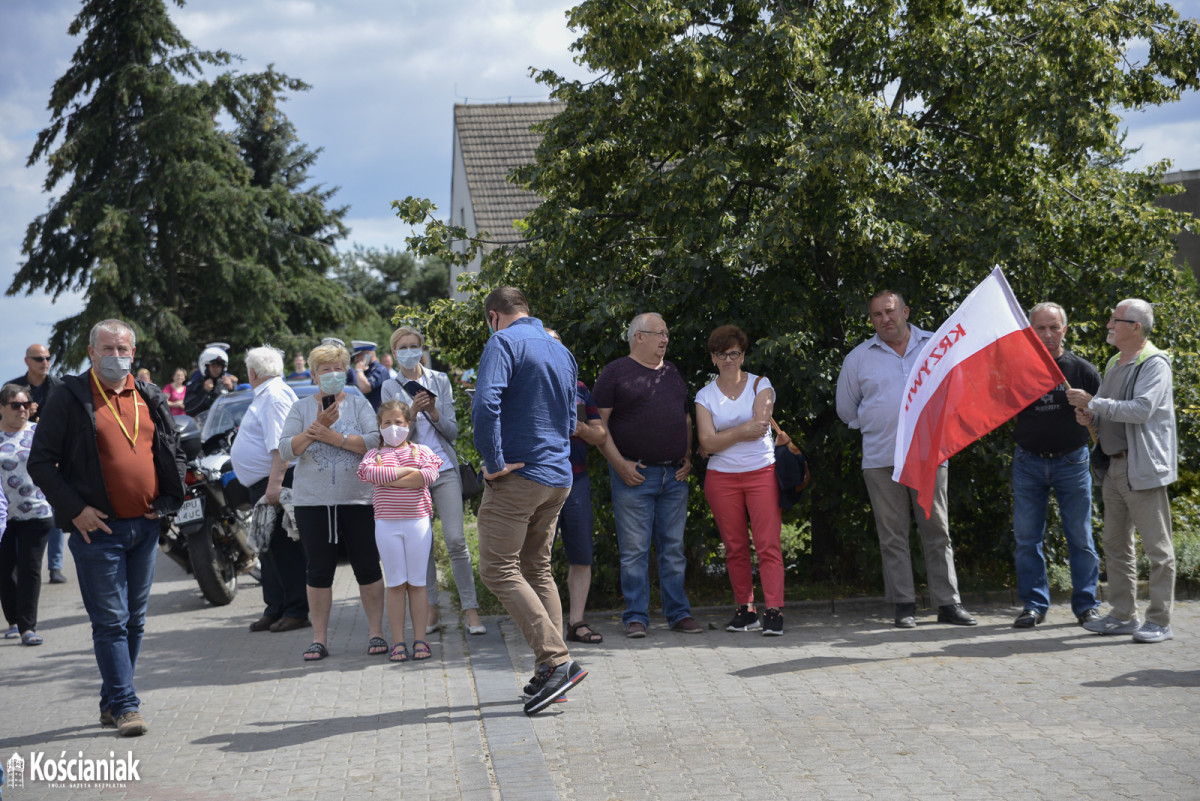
(637, 324)
(1050, 306)
(1141, 311)
(114, 327)
(266, 361)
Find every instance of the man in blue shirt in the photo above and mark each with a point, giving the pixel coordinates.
(523, 413)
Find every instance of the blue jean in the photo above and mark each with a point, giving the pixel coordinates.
(54, 549)
(653, 512)
(115, 572)
(1071, 479)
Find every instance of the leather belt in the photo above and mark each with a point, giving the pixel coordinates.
(676, 464)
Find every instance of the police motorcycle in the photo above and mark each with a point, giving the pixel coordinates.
(208, 537)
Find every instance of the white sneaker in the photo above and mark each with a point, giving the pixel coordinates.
(1152, 632)
(1110, 625)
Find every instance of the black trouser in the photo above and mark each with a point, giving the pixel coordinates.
(21, 549)
(282, 565)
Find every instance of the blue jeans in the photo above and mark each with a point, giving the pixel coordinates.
(1071, 479)
(654, 511)
(54, 549)
(115, 572)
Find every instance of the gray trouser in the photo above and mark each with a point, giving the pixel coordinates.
(448, 503)
(891, 502)
(1148, 511)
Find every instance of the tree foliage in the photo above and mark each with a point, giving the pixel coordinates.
(188, 232)
(381, 278)
(771, 163)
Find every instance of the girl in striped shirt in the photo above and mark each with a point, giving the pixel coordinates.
(401, 472)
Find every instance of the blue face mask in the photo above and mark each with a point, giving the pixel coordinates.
(333, 383)
(408, 357)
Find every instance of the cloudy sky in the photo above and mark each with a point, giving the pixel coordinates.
(385, 75)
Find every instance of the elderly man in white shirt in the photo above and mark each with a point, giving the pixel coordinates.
(870, 387)
(258, 465)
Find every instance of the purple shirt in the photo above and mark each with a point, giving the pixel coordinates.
(649, 419)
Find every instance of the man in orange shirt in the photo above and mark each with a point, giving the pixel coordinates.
(108, 459)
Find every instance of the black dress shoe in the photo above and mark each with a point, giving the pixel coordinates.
(1029, 618)
(1089, 616)
(906, 616)
(263, 623)
(954, 613)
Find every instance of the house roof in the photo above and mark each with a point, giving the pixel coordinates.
(494, 139)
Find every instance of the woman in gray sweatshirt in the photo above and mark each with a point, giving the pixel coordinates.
(328, 433)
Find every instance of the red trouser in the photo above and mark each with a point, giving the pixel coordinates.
(731, 496)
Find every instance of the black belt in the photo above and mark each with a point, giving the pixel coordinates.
(1050, 455)
(676, 464)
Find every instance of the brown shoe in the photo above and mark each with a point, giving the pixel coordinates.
(131, 724)
(264, 623)
(687, 626)
(635, 630)
(290, 624)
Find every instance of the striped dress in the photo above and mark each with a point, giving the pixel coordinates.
(381, 465)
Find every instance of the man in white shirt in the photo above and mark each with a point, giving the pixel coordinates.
(870, 387)
(260, 468)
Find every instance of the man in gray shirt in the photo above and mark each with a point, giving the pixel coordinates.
(1134, 412)
(870, 387)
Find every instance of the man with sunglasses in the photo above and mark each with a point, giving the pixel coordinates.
(40, 385)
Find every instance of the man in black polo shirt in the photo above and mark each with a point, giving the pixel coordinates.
(1052, 454)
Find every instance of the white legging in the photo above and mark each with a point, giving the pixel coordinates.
(404, 550)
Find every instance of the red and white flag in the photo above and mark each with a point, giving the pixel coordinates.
(982, 366)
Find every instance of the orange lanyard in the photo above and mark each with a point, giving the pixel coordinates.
(137, 417)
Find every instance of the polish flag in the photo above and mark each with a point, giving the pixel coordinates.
(982, 366)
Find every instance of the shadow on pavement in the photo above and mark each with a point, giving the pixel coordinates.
(1151, 678)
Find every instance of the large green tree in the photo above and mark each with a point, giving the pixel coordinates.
(164, 220)
(771, 163)
(381, 278)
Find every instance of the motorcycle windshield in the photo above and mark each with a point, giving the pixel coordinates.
(225, 415)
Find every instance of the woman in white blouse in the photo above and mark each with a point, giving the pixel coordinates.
(437, 429)
(733, 418)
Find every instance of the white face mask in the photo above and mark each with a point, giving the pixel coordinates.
(394, 435)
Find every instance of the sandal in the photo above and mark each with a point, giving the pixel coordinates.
(399, 653)
(315, 651)
(421, 651)
(377, 646)
(32, 638)
(592, 635)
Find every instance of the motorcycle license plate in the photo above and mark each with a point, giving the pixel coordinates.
(191, 511)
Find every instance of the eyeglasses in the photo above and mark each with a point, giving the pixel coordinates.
(17, 406)
(729, 355)
(38, 358)
(659, 334)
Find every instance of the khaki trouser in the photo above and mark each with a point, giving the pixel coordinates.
(891, 503)
(517, 518)
(1148, 511)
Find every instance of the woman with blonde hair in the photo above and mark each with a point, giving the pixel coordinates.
(433, 407)
(328, 433)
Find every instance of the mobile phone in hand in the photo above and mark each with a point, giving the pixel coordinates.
(327, 401)
(412, 388)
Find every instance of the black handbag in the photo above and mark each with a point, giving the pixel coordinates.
(470, 480)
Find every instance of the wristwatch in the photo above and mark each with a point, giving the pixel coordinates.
(344, 438)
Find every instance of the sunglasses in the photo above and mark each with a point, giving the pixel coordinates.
(38, 358)
(17, 406)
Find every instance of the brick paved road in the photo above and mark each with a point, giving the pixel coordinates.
(842, 707)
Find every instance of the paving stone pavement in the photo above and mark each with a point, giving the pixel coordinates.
(843, 706)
